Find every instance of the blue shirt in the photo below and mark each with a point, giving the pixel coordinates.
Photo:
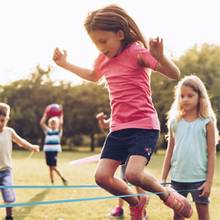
(189, 161)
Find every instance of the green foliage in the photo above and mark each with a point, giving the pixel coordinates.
(29, 97)
(162, 94)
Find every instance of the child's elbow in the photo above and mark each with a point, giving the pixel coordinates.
(174, 74)
(177, 74)
(94, 80)
(94, 77)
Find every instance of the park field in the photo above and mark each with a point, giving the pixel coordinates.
(31, 171)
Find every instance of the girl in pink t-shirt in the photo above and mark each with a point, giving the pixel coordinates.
(126, 63)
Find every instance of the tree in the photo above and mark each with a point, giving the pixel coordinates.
(82, 103)
(28, 98)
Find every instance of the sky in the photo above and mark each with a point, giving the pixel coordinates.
(31, 29)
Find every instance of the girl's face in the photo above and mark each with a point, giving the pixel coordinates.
(189, 99)
(107, 42)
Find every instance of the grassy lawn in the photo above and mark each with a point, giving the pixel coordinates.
(33, 171)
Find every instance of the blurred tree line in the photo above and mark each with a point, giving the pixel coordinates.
(29, 97)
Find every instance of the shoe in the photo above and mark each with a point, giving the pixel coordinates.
(117, 212)
(65, 182)
(179, 204)
(9, 218)
(138, 212)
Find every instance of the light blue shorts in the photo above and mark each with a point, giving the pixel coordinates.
(8, 194)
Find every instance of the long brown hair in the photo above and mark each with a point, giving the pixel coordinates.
(114, 18)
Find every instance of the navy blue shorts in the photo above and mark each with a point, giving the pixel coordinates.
(120, 145)
(186, 188)
(51, 158)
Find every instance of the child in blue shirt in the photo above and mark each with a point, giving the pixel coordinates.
(190, 155)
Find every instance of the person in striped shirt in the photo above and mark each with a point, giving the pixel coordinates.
(53, 131)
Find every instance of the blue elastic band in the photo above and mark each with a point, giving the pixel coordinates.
(76, 200)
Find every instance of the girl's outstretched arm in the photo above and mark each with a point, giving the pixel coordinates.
(60, 58)
(165, 66)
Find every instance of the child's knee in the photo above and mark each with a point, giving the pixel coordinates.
(133, 177)
(101, 179)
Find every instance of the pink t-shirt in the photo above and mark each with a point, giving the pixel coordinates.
(129, 88)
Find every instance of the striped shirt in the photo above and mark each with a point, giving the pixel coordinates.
(52, 140)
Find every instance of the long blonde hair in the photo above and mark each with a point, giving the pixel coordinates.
(114, 18)
(204, 105)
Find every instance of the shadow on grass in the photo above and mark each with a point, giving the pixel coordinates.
(23, 212)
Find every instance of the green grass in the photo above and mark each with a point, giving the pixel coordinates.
(33, 171)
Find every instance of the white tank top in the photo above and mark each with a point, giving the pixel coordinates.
(6, 148)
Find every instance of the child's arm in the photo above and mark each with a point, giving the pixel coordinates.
(206, 187)
(23, 143)
(103, 123)
(168, 156)
(165, 65)
(43, 122)
(61, 60)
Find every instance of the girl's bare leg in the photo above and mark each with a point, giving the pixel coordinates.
(59, 173)
(8, 211)
(104, 177)
(203, 211)
(135, 175)
(51, 174)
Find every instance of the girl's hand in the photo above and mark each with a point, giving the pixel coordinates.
(103, 123)
(206, 189)
(163, 182)
(59, 57)
(156, 48)
(101, 116)
(35, 148)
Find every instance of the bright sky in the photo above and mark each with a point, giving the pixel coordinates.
(31, 29)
